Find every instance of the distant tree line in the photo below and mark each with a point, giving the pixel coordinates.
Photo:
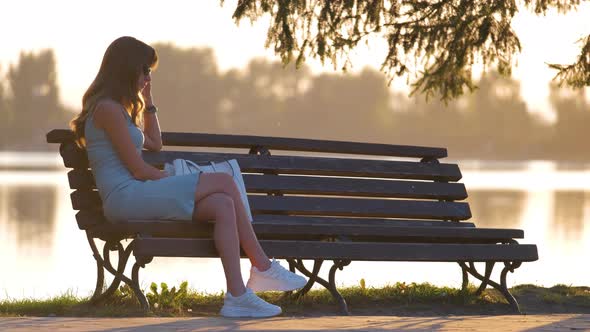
(29, 101)
(265, 98)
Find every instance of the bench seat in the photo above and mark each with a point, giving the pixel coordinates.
(361, 251)
(333, 230)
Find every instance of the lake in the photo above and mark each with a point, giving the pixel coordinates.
(43, 253)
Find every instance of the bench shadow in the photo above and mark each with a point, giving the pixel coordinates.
(415, 310)
(418, 324)
(33, 322)
(577, 323)
(291, 323)
(196, 324)
(94, 324)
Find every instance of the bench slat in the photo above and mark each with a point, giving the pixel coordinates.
(83, 179)
(382, 208)
(89, 218)
(75, 157)
(86, 200)
(318, 220)
(377, 232)
(318, 166)
(279, 143)
(298, 144)
(188, 229)
(359, 251)
(359, 207)
(354, 187)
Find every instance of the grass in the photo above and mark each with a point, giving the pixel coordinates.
(397, 299)
(558, 295)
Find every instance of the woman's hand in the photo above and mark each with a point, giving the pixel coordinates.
(146, 92)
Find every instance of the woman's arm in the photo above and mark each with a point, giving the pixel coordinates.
(109, 117)
(151, 126)
(151, 131)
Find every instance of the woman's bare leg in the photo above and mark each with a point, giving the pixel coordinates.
(224, 183)
(220, 207)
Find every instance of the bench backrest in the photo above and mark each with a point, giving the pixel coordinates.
(364, 182)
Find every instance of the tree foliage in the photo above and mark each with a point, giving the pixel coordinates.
(434, 43)
(577, 74)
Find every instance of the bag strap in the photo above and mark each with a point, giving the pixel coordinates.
(233, 172)
(193, 164)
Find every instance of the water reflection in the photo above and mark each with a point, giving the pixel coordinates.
(569, 211)
(497, 208)
(29, 213)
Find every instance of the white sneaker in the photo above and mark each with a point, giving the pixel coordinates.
(248, 305)
(276, 278)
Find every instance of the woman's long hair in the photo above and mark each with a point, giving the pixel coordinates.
(117, 79)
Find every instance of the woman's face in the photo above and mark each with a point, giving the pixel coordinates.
(145, 76)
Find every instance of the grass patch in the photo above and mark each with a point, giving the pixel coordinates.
(392, 299)
(59, 305)
(558, 295)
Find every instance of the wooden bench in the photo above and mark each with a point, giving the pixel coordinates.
(311, 200)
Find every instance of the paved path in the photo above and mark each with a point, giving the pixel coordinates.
(350, 323)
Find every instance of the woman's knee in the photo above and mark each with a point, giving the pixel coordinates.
(210, 183)
(217, 206)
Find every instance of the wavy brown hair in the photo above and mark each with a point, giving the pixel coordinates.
(117, 79)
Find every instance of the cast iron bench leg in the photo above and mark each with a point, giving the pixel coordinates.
(465, 276)
(338, 264)
(502, 287)
(484, 283)
(317, 264)
(104, 263)
(97, 295)
(330, 285)
(139, 262)
(487, 275)
(101, 262)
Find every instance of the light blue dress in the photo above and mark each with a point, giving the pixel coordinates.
(126, 198)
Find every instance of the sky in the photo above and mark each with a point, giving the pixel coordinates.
(80, 31)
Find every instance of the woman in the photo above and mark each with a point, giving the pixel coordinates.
(108, 127)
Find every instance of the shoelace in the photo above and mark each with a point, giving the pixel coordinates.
(280, 271)
(254, 300)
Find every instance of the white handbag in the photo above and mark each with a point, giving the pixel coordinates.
(231, 167)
